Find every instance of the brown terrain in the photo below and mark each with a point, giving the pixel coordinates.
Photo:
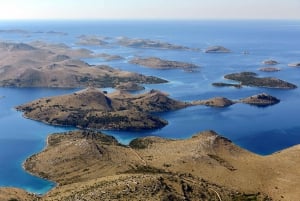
(56, 65)
(92, 108)
(92, 166)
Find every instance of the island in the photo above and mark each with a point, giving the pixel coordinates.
(92, 108)
(109, 57)
(89, 165)
(215, 102)
(151, 44)
(56, 65)
(222, 84)
(269, 69)
(260, 100)
(217, 49)
(270, 62)
(91, 41)
(251, 79)
(154, 62)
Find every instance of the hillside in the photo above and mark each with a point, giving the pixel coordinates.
(92, 166)
(56, 65)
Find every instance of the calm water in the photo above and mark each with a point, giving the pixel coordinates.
(261, 130)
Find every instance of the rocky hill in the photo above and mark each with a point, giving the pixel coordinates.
(91, 166)
(92, 108)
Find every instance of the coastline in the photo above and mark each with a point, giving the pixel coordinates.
(219, 143)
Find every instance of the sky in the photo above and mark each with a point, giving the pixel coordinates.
(149, 9)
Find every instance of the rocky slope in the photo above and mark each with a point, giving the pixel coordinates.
(92, 166)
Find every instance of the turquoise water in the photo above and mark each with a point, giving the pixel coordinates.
(260, 130)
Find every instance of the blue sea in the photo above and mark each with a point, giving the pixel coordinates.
(259, 130)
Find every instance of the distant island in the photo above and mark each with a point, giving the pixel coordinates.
(270, 62)
(269, 69)
(251, 79)
(152, 44)
(154, 62)
(56, 65)
(217, 49)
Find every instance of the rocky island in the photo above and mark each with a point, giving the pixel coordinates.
(91, 41)
(251, 79)
(152, 44)
(217, 49)
(261, 100)
(56, 65)
(207, 166)
(270, 62)
(154, 62)
(92, 108)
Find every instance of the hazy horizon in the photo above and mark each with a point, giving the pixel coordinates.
(149, 10)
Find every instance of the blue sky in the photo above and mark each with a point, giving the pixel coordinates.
(150, 9)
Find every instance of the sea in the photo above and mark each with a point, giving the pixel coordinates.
(262, 130)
